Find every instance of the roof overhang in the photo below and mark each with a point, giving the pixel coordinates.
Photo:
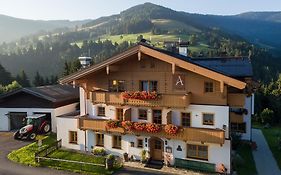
(141, 49)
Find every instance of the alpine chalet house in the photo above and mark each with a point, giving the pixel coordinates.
(179, 109)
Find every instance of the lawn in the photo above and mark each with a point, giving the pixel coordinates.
(25, 155)
(80, 168)
(248, 166)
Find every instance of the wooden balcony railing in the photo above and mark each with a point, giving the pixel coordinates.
(186, 134)
(165, 100)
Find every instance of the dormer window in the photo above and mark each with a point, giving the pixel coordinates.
(148, 86)
(209, 87)
(116, 86)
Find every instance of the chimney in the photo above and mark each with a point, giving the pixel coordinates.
(183, 48)
(85, 61)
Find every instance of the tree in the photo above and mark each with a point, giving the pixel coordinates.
(22, 79)
(5, 76)
(38, 80)
(10, 87)
(267, 116)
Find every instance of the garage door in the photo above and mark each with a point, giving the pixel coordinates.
(17, 119)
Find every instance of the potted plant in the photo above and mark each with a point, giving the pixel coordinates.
(127, 125)
(171, 129)
(113, 123)
(99, 151)
(109, 162)
(139, 126)
(143, 156)
(153, 128)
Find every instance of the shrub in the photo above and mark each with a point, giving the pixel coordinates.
(267, 116)
(111, 157)
(143, 155)
(99, 151)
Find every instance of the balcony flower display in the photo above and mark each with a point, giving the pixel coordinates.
(113, 123)
(127, 125)
(153, 128)
(140, 95)
(139, 126)
(171, 129)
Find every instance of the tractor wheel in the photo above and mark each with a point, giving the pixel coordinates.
(47, 128)
(17, 135)
(32, 136)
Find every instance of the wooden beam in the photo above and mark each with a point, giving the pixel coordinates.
(107, 70)
(193, 68)
(173, 68)
(139, 55)
(222, 86)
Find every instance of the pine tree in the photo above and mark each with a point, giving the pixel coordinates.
(22, 79)
(38, 80)
(66, 68)
(5, 76)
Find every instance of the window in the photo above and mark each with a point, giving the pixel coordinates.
(140, 143)
(208, 119)
(197, 151)
(157, 144)
(73, 137)
(116, 85)
(148, 86)
(209, 87)
(157, 116)
(238, 127)
(99, 139)
(119, 114)
(117, 142)
(185, 119)
(142, 114)
(101, 111)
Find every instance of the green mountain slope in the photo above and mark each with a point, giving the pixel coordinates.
(14, 28)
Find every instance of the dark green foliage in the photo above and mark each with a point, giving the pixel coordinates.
(38, 80)
(5, 76)
(10, 87)
(23, 79)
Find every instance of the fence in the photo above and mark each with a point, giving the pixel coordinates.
(46, 151)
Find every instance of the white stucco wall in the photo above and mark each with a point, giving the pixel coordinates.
(5, 121)
(248, 118)
(65, 125)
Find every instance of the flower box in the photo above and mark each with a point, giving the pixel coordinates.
(140, 95)
(153, 128)
(127, 125)
(113, 123)
(139, 126)
(171, 129)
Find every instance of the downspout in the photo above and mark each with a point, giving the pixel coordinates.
(85, 140)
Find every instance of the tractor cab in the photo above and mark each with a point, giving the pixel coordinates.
(35, 124)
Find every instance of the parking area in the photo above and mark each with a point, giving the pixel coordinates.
(8, 144)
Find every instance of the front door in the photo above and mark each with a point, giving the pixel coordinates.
(156, 149)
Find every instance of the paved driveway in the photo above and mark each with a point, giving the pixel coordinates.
(7, 144)
(265, 162)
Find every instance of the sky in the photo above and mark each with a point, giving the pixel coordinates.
(92, 9)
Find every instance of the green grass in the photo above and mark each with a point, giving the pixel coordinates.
(25, 155)
(81, 168)
(248, 167)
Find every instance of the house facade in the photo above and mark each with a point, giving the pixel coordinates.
(54, 100)
(179, 109)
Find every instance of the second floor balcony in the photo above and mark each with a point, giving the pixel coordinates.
(163, 100)
(216, 136)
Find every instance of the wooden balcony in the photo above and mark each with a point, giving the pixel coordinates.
(186, 134)
(165, 100)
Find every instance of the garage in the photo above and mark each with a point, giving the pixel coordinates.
(54, 100)
(17, 120)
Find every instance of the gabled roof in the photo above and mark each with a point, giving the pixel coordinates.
(164, 55)
(52, 93)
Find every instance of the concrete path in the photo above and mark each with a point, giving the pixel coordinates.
(265, 162)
